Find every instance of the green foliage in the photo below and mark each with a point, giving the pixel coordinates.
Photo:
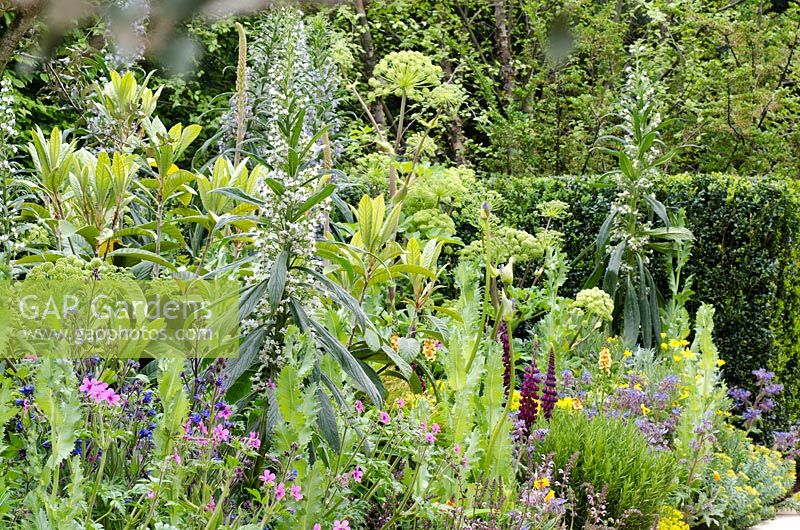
(611, 453)
(742, 483)
(743, 261)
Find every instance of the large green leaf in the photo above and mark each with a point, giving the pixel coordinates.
(144, 255)
(277, 279)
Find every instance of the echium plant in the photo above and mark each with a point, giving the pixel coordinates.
(289, 66)
(629, 233)
(8, 205)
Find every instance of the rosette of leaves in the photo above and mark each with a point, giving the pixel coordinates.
(628, 236)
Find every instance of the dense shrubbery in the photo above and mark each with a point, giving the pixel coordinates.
(743, 260)
(418, 346)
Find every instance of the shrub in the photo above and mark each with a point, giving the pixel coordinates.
(611, 453)
(744, 260)
(742, 484)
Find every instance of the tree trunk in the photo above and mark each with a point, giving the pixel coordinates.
(503, 43)
(455, 132)
(368, 56)
(26, 14)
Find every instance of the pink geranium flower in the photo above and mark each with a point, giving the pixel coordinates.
(341, 525)
(267, 478)
(385, 418)
(253, 441)
(296, 493)
(358, 474)
(225, 411)
(359, 407)
(280, 491)
(220, 434)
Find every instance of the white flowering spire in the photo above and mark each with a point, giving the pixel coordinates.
(292, 87)
(640, 118)
(9, 240)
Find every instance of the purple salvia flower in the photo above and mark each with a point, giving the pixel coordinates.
(549, 394)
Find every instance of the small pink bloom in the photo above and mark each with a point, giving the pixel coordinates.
(271, 384)
(430, 437)
(280, 491)
(296, 493)
(87, 385)
(341, 525)
(435, 429)
(457, 449)
(344, 479)
(267, 477)
(151, 494)
(253, 441)
(211, 505)
(220, 434)
(317, 527)
(226, 411)
(175, 457)
(401, 403)
(359, 407)
(385, 418)
(358, 474)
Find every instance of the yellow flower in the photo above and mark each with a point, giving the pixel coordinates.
(663, 335)
(663, 345)
(627, 353)
(429, 349)
(675, 343)
(604, 361)
(541, 483)
(721, 363)
(717, 477)
(569, 403)
(394, 342)
(672, 519)
(515, 399)
(677, 358)
(550, 496)
(645, 410)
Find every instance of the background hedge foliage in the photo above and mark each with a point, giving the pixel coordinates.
(745, 259)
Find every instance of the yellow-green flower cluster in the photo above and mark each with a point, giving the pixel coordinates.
(420, 145)
(595, 302)
(554, 209)
(73, 268)
(405, 73)
(430, 222)
(506, 243)
(450, 188)
(447, 98)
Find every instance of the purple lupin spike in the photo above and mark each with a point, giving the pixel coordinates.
(549, 394)
(529, 395)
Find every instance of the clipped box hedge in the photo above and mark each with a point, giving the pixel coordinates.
(745, 259)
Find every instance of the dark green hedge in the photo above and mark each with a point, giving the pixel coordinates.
(745, 259)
